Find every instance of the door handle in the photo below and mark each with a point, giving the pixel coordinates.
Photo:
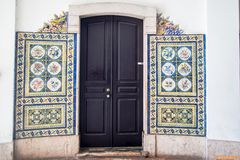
(108, 90)
(108, 96)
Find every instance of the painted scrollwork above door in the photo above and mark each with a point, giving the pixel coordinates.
(59, 24)
(56, 25)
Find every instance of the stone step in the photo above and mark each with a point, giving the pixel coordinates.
(112, 153)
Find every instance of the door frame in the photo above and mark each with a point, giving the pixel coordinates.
(147, 14)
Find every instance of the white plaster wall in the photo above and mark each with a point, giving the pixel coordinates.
(223, 99)
(189, 13)
(7, 43)
(218, 18)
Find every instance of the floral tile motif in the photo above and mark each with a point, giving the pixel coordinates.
(167, 27)
(45, 84)
(176, 85)
(56, 25)
(176, 63)
(46, 63)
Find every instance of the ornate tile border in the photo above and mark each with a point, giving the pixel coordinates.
(45, 84)
(176, 85)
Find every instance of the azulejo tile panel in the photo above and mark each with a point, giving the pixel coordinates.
(176, 85)
(45, 88)
(44, 116)
(176, 115)
(46, 67)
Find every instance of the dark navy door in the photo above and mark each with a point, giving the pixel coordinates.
(111, 81)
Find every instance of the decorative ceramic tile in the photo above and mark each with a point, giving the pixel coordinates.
(176, 63)
(45, 84)
(176, 115)
(44, 116)
(56, 25)
(176, 84)
(167, 27)
(46, 63)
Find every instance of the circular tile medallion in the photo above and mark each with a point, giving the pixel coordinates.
(184, 69)
(54, 52)
(54, 68)
(37, 52)
(168, 84)
(37, 84)
(54, 84)
(168, 69)
(184, 53)
(37, 68)
(168, 53)
(184, 84)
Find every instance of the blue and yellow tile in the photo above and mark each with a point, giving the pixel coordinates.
(45, 79)
(176, 84)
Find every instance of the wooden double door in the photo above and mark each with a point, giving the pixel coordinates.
(111, 102)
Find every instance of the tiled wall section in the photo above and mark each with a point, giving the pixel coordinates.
(45, 84)
(176, 85)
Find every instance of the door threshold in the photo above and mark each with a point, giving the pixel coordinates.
(104, 149)
(112, 152)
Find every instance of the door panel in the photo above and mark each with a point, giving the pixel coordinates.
(127, 82)
(96, 110)
(128, 90)
(95, 77)
(127, 116)
(126, 39)
(111, 81)
(96, 55)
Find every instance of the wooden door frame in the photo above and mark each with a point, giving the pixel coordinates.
(147, 14)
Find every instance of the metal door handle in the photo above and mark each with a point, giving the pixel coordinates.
(108, 95)
(108, 90)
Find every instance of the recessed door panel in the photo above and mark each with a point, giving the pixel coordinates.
(127, 111)
(127, 52)
(96, 52)
(95, 112)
